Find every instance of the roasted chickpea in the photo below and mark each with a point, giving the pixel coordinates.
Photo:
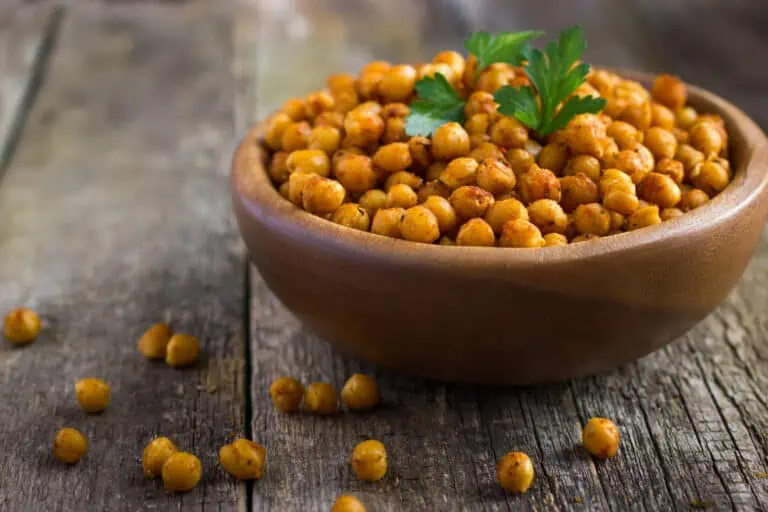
(322, 195)
(459, 172)
(394, 130)
(476, 232)
(363, 127)
(287, 394)
(346, 503)
(355, 172)
(92, 394)
(181, 472)
(504, 210)
(369, 460)
(278, 167)
(646, 157)
(431, 70)
(659, 189)
(450, 141)
(662, 117)
(670, 213)
(285, 190)
(610, 150)
(538, 183)
(576, 190)
(296, 136)
(600, 437)
(555, 239)
(692, 199)
(553, 157)
(296, 183)
(443, 211)
(681, 136)
(548, 216)
(345, 101)
(643, 217)
(318, 102)
(478, 124)
(508, 132)
(244, 459)
(321, 398)
(453, 59)
(419, 224)
(520, 160)
(296, 109)
(183, 350)
(686, 116)
(495, 77)
(368, 85)
(376, 66)
(661, 142)
(479, 102)
(495, 176)
(405, 178)
(485, 151)
(353, 216)
(617, 222)
(707, 138)
(360, 392)
(475, 141)
(584, 135)
(592, 219)
(21, 326)
(710, 176)
(520, 233)
(689, 157)
(470, 201)
(393, 157)
(386, 222)
(419, 148)
(273, 137)
(670, 91)
(402, 196)
(433, 188)
(154, 342)
(325, 138)
(587, 165)
(584, 238)
(618, 200)
(330, 120)
(614, 179)
(446, 240)
(671, 168)
(69, 445)
(397, 84)
(514, 472)
(603, 81)
(396, 109)
(625, 135)
(155, 454)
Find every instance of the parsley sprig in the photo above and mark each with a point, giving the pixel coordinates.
(438, 104)
(555, 76)
(504, 47)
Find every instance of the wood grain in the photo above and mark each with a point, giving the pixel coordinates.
(114, 216)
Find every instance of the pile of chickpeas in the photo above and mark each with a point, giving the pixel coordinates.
(343, 154)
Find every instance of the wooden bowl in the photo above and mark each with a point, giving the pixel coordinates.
(507, 316)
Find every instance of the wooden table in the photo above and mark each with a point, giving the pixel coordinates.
(116, 126)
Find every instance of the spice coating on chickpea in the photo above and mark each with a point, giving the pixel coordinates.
(548, 216)
(183, 350)
(450, 141)
(353, 216)
(321, 398)
(393, 157)
(538, 183)
(514, 472)
(592, 219)
(443, 211)
(155, 454)
(577, 189)
(495, 176)
(21, 326)
(600, 437)
(92, 394)
(670, 91)
(387, 222)
(309, 160)
(69, 445)
(555, 239)
(505, 210)
(287, 394)
(360, 392)
(508, 133)
(181, 472)
(476, 232)
(419, 224)
(553, 157)
(470, 201)
(369, 460)
(643, 217)
(520, 233)
(347, 503)
(711, 177)
(244, 459)
(355, 172)
(322, 195)
(659, 189)
(404, 178)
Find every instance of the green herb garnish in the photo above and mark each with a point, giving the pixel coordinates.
(504, 47)
(438, 104)
(555, 78)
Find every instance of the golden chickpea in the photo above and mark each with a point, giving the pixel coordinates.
(155, 454)
(450, 141)
(453, 59)
(92, 394)
(421, 152)
(478, 124)
(670, 213)
(321, 398)
(617, 222)
(514, 472)
(555, 240)
(459, 172)
(278, 167)
(181, 472)
(330, 120)
(520, 161)
(154, 341)
(443, 211)
(603, 81)
(548, 216)
(353, 216)
(376, 66)
(430, 70)
(686, 116)
(397, 84)
(614, 179)
(479, 102)
(706, 138)
(643, 217)
(487, 150)
(475, 141)
(394, 131)
(670, 91)
(508, 132)
(325, 138)
(494, 78)
(363, 127)
(495, 176)
(401, 196)
(244, 459)
(433, 188)
(587, 165)
(287, 394)
(692, 199)
(710, 176)
(446, 240)
(646, 157)
(347, 503)
(434, 171)
(373, 200)
(476, 232)
(470, 201)
(21, 326)
(630, 163)
(520, 233)
(610, 150)
(360, 392)
(285, 190)
(625, 135)
(661, 142)
(369, 460)
(276, 126)
(620, 201)
(318, 102)
(296, 183)
(662, 117)
(345, 101)
(576, 190)
(368, 85)
(500, 212)
(387, 222)
(689, 157)
(553, 157)
(600, 437)
(183, 350)
(585, 238)
(296, 109)
(393, 157)
(671, 168)
(419, 224)
(538, 183)
(404, 178)
(69, 445)
(681, 136)
(322, 195)
(592, 219)
(296, 136)
(584, 134)
(396, 109)
(355, 172)
(659, 189)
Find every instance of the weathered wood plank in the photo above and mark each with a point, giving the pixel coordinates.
(115, 215)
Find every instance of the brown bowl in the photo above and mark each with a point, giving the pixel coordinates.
(507, 316)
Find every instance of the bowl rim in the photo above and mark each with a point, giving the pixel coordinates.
(253, 190)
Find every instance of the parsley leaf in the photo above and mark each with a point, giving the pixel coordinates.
(555, 76)
(438, 104)
(503, 47)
